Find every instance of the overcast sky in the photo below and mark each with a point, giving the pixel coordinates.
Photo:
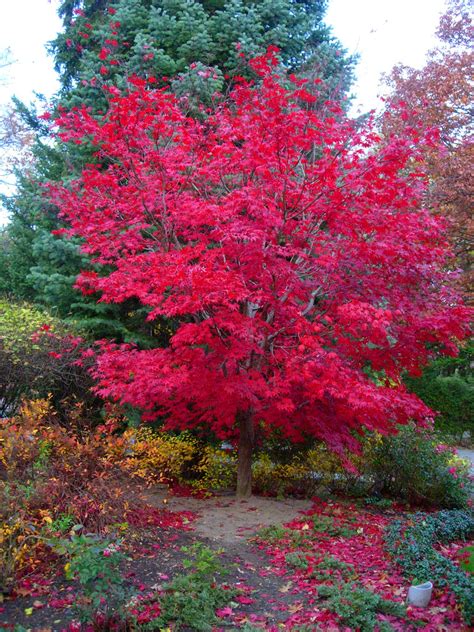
(383, 32)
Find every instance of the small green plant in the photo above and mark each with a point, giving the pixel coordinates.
(95, 564)
(297, 559)
(330, 568)
(62, 524)
(274, 533)
(358, 607)
(190, 600)
(466, 557)
(326, 525)
(44, 453)
(379, 502)
(277, 533)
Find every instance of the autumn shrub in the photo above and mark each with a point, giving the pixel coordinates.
(306, 469)
(303, 470)
(278, 478)
(22, 459)
(216, 469)
(50, 476)
(411, 466)
(161, 457)
(17, 544)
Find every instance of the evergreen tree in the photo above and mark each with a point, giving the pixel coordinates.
(200, 46)
(166, 37)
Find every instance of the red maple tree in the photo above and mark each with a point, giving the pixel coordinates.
(290, 251)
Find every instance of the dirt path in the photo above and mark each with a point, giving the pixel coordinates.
(226, 520)
(225, 523)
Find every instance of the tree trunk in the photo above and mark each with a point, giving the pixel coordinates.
(245, 451)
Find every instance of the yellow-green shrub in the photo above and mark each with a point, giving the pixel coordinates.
(217, 469)
(16, 545)
(158, 457)
(18, 323)
(279, 478)
(38, 356)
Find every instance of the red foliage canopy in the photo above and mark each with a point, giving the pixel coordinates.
(291, 251)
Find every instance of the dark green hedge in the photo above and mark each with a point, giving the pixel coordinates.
(447, 386)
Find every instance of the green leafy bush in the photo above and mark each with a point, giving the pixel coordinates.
(413, 466)
(95, 563)
(410, 466)
(411, 542)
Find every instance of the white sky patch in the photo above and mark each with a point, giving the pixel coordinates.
(25, 28)
(383, 32)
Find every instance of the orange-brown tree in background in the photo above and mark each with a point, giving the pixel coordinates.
(441, 95)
